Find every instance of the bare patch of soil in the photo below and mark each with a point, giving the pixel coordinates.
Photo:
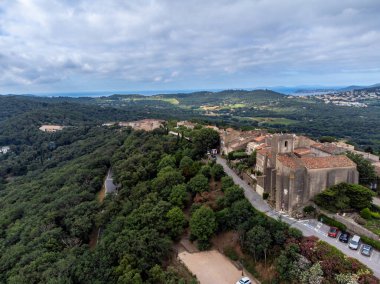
(101, 194)
(227, 240)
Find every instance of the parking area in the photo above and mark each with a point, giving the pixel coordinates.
(322, 231)
(211, 267)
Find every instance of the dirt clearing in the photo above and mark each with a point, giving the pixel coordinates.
(211, 267)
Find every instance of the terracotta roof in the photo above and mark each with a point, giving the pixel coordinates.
(260, 138)
(290, 161)
(302, 151)
(340, 161)
(265, 152)
(294, 162)
(328, 148)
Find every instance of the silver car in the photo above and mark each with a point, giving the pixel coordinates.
(366, 250)
(354, 243)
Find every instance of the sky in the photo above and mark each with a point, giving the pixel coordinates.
(88, 45)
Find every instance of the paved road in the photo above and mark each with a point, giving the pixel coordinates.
(108, 183)
(307, 227)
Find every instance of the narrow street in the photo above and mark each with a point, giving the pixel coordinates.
(307, 227)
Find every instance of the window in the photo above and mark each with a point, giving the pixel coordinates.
(286, 144)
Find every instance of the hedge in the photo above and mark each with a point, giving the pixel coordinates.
(331, 222)
(372, 242)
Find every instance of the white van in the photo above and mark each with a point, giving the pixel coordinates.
(354, 242)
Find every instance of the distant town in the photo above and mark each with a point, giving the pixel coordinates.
(353, 98)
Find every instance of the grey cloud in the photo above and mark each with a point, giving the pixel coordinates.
(148, 41)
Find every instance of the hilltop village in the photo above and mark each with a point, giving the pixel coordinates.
(290, 169)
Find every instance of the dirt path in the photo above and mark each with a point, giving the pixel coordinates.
(95, 232)
(101, 194)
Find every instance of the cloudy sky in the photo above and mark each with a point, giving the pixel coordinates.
(73, 45)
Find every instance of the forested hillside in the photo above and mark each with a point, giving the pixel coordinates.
(55, 226)
(264, 109)
(47, 215)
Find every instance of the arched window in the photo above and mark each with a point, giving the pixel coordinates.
(286, 144)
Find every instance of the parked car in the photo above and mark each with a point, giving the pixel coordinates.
(354, 243)
(366, 250)
(244, 280)
(333, 232)
(344, 237)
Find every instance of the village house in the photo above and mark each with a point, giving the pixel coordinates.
(232, 140)
(257, 144)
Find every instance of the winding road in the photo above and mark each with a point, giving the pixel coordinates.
(307, 227)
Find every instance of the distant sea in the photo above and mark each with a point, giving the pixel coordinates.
(96, 94)
(295, 91)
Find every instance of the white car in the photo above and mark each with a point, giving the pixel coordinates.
(354, 243)
(244, 280)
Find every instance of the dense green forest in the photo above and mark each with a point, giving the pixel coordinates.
(54, 228)
(238, 108)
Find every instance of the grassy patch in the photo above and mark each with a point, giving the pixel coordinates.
(237, 106)
(275, 120)
(172, 101)
(373, 225)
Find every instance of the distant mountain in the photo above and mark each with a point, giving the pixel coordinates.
(226, 96)
(352, 88)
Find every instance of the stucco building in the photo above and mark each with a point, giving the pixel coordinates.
(232, 140)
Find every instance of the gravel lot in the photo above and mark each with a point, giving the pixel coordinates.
(211, 267)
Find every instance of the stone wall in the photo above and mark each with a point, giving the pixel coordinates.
(352, 226)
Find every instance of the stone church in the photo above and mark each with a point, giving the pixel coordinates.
(293, 169)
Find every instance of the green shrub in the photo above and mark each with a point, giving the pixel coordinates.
(345, 196)
(375, 215)
(227, 182)
(239, 154)
(366, 213)
(331, 222)
(231, 253)
(372, 242)
(309, 209)
(295, 233)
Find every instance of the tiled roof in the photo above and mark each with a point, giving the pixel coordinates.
(260, 138)
(293, 162)
(328, 148)
(289, 160)
(340, 161)
(302, 151)
(265, 152)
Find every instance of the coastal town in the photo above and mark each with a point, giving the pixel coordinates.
(353, 98)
